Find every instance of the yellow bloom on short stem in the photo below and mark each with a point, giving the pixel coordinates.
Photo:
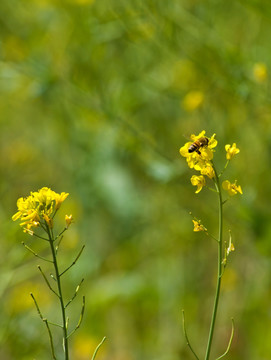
(68, 220)
(231, 150)
(198, 226)
(232, 189)
(198, 181)
(59, 198)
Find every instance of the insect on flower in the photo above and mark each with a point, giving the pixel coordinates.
(199, 143)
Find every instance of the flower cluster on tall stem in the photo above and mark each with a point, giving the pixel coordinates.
(199, 154)
(38, 211)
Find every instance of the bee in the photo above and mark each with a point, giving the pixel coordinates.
(201, 142)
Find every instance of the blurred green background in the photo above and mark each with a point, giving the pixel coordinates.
(96, 99)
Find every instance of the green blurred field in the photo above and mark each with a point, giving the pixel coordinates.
(96, 99)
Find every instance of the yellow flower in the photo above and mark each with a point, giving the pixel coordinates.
(193, 100)
(232, 189)
(198, 160)
(208, 170)
(231, 151)
(260, 72)
(48, 220)
(59, 198)
(68, 219)
(40, 205)
(198, 226)
(198, 181)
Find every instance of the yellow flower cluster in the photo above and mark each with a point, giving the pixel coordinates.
(199, 155)
(39, 209)
(201, 158)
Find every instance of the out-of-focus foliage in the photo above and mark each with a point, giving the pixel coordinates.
(96, 99)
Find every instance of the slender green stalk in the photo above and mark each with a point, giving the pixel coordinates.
(186, 337)
(63, 312)
(97, 348)
(47, 326)
(219, 266)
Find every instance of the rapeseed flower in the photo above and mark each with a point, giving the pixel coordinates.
(208, 170)
(232, 189)
(198, 226)
(38, 209)
(198, 159)
(231, 150)
(198, 181)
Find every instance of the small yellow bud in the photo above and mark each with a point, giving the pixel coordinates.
(48, 220)
(198, 226)
(68, 220)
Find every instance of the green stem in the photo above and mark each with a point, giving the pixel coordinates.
(219, 267)
(57, 275)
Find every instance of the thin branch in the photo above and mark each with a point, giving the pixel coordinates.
(57, 246)
(225, 167)
(47, 326)
(230, 341)
(40, 237)
(47, 282)
(97, 348)
(186, 337)
(212, 189)
(61, 237)
(74, 262)
(54, 324)
(80, 319)
(35, 254)
(53, 277)
(76, 291)
(212, 236)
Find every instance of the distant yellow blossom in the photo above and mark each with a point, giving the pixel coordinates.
(198, 181)
(260, 72)
(39, 207)
(231, 151)
(198, 226)
(232, 189)
(83, 2)
(193, 100)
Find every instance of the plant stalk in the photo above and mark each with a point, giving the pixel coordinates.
(219, 266)
(63, 312)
